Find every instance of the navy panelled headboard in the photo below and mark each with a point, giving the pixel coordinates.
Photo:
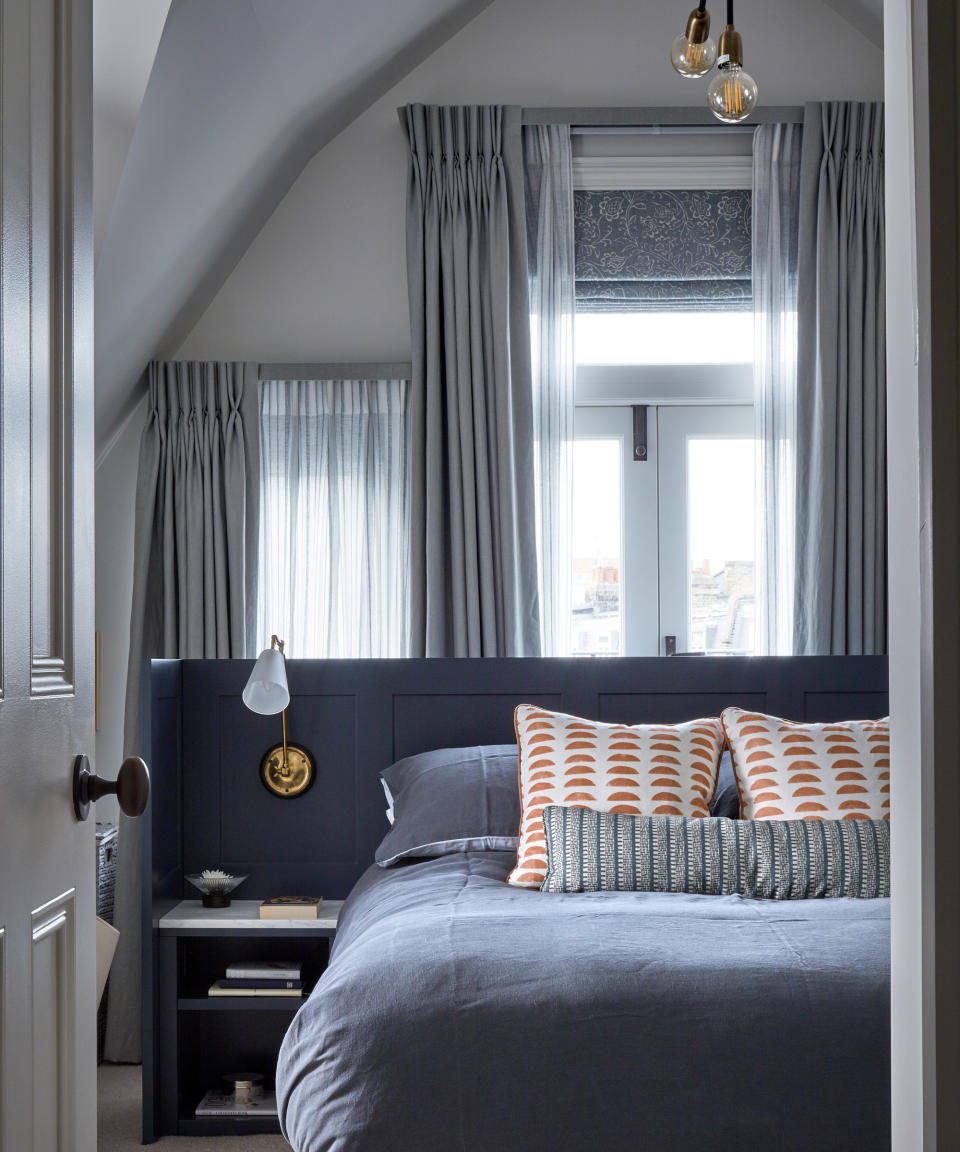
(209, 809)
(356, 717)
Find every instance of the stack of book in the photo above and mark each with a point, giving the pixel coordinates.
(260, 978)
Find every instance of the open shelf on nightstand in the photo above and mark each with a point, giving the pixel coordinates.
(206, 1036)
(190, 1125)
(288, 1004)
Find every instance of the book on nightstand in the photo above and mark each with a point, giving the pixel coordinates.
(217, 989)
(218, 1104)
(260, 978)
(291, 908)
(264, 971)
(258, 982)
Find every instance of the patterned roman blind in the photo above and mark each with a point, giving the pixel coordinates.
(661, 251)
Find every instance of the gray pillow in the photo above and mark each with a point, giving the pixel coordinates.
(452, 800)
(767, 859)
(726, 798)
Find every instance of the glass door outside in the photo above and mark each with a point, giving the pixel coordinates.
(707, 528)
(663, 547)
(614, 609)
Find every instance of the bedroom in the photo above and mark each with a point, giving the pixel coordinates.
(309, 268)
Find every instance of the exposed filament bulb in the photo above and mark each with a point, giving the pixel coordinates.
(732, 94)
(694, 52)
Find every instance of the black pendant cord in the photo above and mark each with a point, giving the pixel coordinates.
(730, 13)
(702, 6)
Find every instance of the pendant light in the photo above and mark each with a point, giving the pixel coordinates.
(694, 52)
(732, 94)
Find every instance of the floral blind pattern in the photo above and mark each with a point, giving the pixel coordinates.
(683, 251)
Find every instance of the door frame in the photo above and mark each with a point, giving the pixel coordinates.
(923, 415)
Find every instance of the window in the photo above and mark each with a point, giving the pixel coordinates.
(708, 524)
(596, 627)
(663, 338)
(663, 548)
(722, 586)
(334, 523)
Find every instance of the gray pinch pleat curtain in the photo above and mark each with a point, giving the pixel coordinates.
(841, 541)
(473, 575)
(194, 586)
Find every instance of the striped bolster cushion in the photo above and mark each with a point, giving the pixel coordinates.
(591, 851)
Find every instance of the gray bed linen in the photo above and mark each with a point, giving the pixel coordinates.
(462, 1015)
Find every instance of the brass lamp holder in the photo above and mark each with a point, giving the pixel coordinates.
(287, 770)
(698, 25)
(730, 48)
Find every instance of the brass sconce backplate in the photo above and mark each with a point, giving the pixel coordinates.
(290, 780)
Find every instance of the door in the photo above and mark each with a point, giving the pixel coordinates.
(664, 515)
(615, 579)
(707, 467)
(47, 858)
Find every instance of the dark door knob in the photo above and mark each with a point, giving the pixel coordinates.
(131, 787)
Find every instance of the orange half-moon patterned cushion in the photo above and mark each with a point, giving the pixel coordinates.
(644, 770)
(788, 771)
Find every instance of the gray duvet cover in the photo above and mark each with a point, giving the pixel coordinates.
(462, 1015)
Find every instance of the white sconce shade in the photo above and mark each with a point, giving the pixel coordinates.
(266, 691)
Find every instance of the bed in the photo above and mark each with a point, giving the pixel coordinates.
(461, 1013)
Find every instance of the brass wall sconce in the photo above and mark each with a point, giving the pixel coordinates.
(287, 770)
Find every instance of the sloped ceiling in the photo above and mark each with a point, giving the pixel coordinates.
(864, 15)
(242, 94)
(126, 34)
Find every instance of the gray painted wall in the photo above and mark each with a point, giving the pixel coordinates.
(325, 279)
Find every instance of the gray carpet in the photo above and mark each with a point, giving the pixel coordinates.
(119, 1120)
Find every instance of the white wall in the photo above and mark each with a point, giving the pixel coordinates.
(115, 492)
(326, 279)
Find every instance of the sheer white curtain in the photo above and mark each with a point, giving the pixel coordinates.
(334, 522)
(548, 175)
(776, 198)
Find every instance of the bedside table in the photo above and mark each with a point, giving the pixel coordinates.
(204, 1037)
